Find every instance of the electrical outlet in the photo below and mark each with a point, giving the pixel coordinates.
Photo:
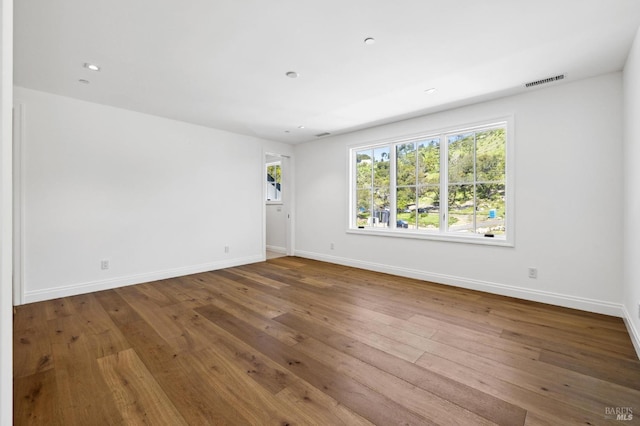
(533, 273)
(332, 246)
(104, 264)
(226, 249)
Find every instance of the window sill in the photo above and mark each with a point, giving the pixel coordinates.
(269, 203)
(467, 239)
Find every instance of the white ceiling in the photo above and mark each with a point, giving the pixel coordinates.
(222, 64)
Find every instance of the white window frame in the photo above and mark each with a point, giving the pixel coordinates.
(442, 234)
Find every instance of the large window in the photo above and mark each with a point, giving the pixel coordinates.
(448, 185)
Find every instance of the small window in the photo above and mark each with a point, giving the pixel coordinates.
(274, 182)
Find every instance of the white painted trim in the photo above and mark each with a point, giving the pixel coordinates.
(6, 212)
(19, 138)
(289, 180)
(432, 236)
(276, 249)
(92, 286)
(634, 333)
(568, 301)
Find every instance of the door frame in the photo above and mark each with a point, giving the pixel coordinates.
(18, 140)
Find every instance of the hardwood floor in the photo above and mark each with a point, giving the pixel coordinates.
(292, 341)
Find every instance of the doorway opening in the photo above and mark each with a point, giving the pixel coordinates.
(278, 199)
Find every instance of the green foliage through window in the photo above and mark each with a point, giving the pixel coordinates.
(274, 182)
(373, 178)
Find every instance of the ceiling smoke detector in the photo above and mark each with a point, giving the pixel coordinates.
(545, 80)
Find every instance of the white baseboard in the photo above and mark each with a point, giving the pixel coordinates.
(88, 287)
(575, 302)
(276, 249)
(634, 333)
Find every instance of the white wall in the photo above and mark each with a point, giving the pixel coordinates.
(568, 149)
(6, 318)
(155, 197)
(631, 198)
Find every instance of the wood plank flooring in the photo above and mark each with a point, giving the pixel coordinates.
(293, 341)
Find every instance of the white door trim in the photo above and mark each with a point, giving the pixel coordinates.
(19, 133)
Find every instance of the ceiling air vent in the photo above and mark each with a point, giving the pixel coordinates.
(319, 135)
(545, 80)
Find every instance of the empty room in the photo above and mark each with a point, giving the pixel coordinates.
(319, 213)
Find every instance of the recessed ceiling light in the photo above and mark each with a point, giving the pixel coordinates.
(292, 74)
(300, 127)
(92, 67)
(430, 91)
(83, 81)
(369, 40)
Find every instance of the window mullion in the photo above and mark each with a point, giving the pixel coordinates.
(393, 187)
(475, 183)
(355, 187)
(372, 204)
(415, 180)
(444, 184)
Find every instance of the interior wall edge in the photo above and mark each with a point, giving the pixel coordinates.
(563, 300)
(6, 213)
